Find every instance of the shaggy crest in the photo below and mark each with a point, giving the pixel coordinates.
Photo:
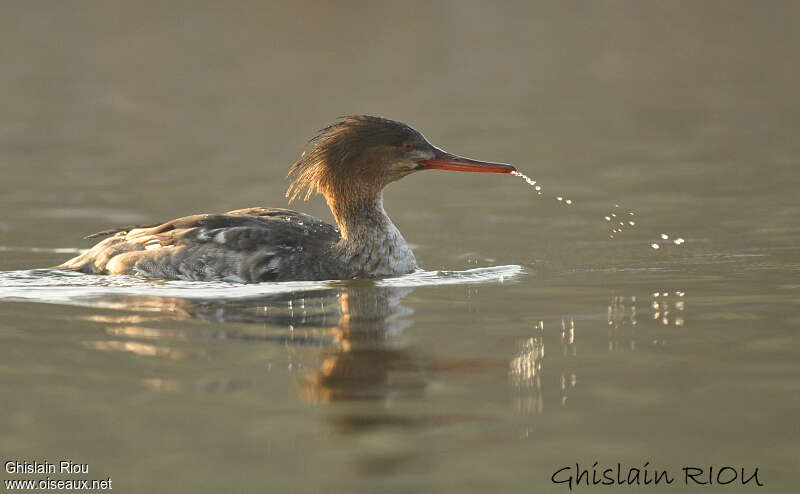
(333, 148)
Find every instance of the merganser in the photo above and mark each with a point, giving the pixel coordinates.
(349, 163)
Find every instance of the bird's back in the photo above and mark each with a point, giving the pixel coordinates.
(246, 245)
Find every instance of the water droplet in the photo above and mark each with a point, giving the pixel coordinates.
(530, 181)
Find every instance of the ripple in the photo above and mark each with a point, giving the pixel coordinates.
(68, 287)
(48, 250)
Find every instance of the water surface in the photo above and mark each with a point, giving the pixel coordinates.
(532, 341)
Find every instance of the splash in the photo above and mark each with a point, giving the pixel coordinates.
(538, 187)
(618, 219)
(664, 236)
(529, 180)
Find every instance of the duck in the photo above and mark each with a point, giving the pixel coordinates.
(349, 163)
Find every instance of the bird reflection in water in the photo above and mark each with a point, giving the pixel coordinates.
(357, 326)
(367, 358)
(354, 332)
(345, 343)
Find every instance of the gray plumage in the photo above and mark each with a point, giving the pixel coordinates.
(247, 245)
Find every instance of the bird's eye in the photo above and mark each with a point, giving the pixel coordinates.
(408, 146)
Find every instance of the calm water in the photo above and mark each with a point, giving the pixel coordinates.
(533, 341)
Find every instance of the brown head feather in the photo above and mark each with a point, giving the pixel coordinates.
(347, 150)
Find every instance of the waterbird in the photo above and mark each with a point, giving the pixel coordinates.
(349, 162)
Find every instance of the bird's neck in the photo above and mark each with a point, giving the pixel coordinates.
(360, 219)
(370, 244)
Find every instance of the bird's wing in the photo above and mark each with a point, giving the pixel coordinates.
(205, 246)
